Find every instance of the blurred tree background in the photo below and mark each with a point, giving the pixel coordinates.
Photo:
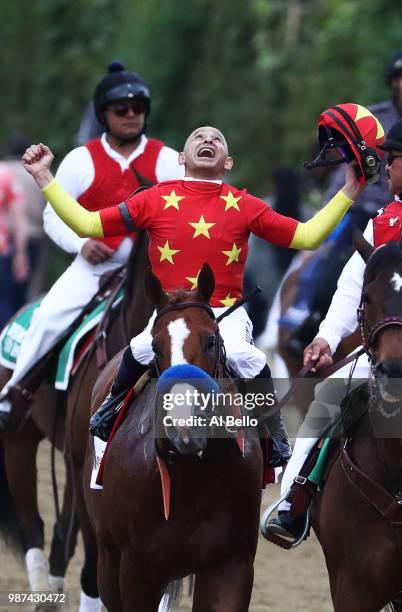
(261, 70)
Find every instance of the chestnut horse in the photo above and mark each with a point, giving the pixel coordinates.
(211, 528)
(52, 412)
(358, 514)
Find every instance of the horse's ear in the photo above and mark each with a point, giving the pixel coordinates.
(364, 248)
(206, 283)
(154, 290)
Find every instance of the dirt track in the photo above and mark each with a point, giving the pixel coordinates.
(284, 581)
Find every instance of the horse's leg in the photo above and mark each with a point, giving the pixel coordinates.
(140, 589)
(90, 601)
(64, 537)
(20, 462)
(226, 587)
(108, 577)
(350, 593)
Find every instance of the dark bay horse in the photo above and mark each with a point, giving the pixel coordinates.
(358, 515)
(211, 528)
(20, 523)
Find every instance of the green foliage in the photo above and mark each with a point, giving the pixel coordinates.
(261, 70)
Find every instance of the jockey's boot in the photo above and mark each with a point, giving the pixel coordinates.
(279, 446)
(129, 371)
(286, 525)
(14, 406)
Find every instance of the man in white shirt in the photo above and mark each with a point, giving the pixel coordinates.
(341, 321)
(102, 173)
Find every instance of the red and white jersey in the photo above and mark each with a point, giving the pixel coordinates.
(10, 192)
(195, 222)
(96, 175)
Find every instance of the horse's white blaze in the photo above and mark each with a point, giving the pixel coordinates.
(396, 282)
(178, 332)
(182, 395)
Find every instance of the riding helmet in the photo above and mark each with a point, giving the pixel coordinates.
(394, 68)
(394, 138)
(119, 84)
(355, 134)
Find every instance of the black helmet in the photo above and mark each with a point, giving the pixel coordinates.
(394, 67)
(394, 138)
(119, 84)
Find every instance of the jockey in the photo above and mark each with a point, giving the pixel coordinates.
(341, 321)
(192, 221)
(107, 169)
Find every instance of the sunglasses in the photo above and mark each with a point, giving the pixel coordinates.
(391, 157)
(121, 110)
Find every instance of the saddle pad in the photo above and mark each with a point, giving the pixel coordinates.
(13, 334)
(65, 362)
(12, 337)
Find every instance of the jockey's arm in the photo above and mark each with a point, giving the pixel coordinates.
(83, 222)
(288, 232)
(341, 318)
(310, 234)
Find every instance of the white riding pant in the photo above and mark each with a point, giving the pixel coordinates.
(61, 306)
(324, 408)
(237, 332)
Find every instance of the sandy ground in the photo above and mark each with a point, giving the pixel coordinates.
(284, 580)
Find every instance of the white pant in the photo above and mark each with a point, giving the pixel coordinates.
(236, 330)
(62, 304)
(326, 404)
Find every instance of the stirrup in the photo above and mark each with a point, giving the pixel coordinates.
(275, 538)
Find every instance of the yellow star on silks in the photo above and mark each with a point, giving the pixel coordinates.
(201, 228)
(233, 255)
(193, 280)
(228, 301)
(231, 201)
(167, 252)
(172, 200)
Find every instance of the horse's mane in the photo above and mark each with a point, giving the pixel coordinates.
(135, 263)
(382, 257)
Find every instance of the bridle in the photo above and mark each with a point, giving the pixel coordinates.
(220, 355)
(369, 334)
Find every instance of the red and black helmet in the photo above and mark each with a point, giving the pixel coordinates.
(355, 133)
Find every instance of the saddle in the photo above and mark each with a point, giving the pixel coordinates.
(110, 285)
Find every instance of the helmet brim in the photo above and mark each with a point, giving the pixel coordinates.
(389, 145)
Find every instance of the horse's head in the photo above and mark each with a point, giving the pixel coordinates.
(380, 314)
(188, 353)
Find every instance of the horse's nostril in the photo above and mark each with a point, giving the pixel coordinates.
(382, 368)
(391, 368)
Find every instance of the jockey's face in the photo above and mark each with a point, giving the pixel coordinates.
(394, 171)
(205, 154)
(125, 119)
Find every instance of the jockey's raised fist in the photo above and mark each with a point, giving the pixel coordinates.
(37, 160)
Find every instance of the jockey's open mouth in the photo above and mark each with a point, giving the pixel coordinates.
(206, 151)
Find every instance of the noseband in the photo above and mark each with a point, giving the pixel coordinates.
(219, 347)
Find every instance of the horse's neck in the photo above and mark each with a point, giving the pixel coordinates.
(136, 307)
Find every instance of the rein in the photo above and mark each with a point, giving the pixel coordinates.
(387, 504)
